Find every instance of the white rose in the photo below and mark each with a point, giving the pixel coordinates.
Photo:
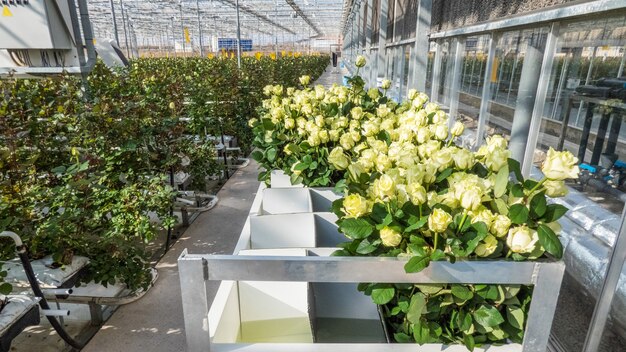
(471, 198)
(522, 239)
(457, 129)
(463, 159)
(277, 90)
(384, 187)
(338, 159)
(431, 107)
(386, 84)
(360, 61)
(440, 131)
(305, 80)
(423, 135)
(439, 220)
(383, 163)
(390, 237)
(290, 123)
(560, 165)
(555, 189)
(500, 225)
(442, 158)
(373, 93)
(357, 112)
(412, 94)
(417, 193)
(497, 159)
(355, 206)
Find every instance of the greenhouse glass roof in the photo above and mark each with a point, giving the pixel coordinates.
(263, 21)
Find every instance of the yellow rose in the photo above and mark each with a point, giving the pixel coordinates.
(423, 135)
(305, 80)
(346, 141)
(522, 239)
(440, 117)
(412, 94)
(560, 165)
(457, 129)
(333, 135)
(355, 206)
(360, 61)
(555, 189)
(290, 123)
(439, 220)
(483, 215)
(417, 193)
(338, 159)
(487, 246)
(386, 84)
(500, 226)
(390, 237)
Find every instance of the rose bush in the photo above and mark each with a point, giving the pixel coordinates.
(411, 192)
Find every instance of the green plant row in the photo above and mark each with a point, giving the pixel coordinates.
(84, 166)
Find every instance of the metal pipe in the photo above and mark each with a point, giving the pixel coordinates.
(605, 299)
(238, 36)
(199, 29)
(55, 312)
(125, 31)
(117, 38)
(182, 26)
(58, 291)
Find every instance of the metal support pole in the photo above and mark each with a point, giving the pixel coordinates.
(455, 82)
(540, 98)
(418, 62)
(182, 27)
(238, 36)
(382, 40)
(605, 299)
(117, 38)
(368, 41)
(125, 31)
(531, 71)
(199, 30)
(193, 281)
(486, 94)
(173, 36)
(434, 95)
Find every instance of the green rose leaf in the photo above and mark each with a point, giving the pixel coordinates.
(257, 155)
(418, 302)
(444, 174)
(421, 333)
(515, 316)
(356, 229)
(538, 205)
(462, 292)
(554, 212)
(549, 241)
(383, 295)
(515, 167)
(401, 337)
(271, 154)
(518, 214)
(468, 341)
(502, 179)
(417, 263)
(488, 316)
(365, 247)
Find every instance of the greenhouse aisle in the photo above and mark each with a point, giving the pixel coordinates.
(155, 323)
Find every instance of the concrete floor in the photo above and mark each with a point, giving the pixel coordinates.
(155, 323)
